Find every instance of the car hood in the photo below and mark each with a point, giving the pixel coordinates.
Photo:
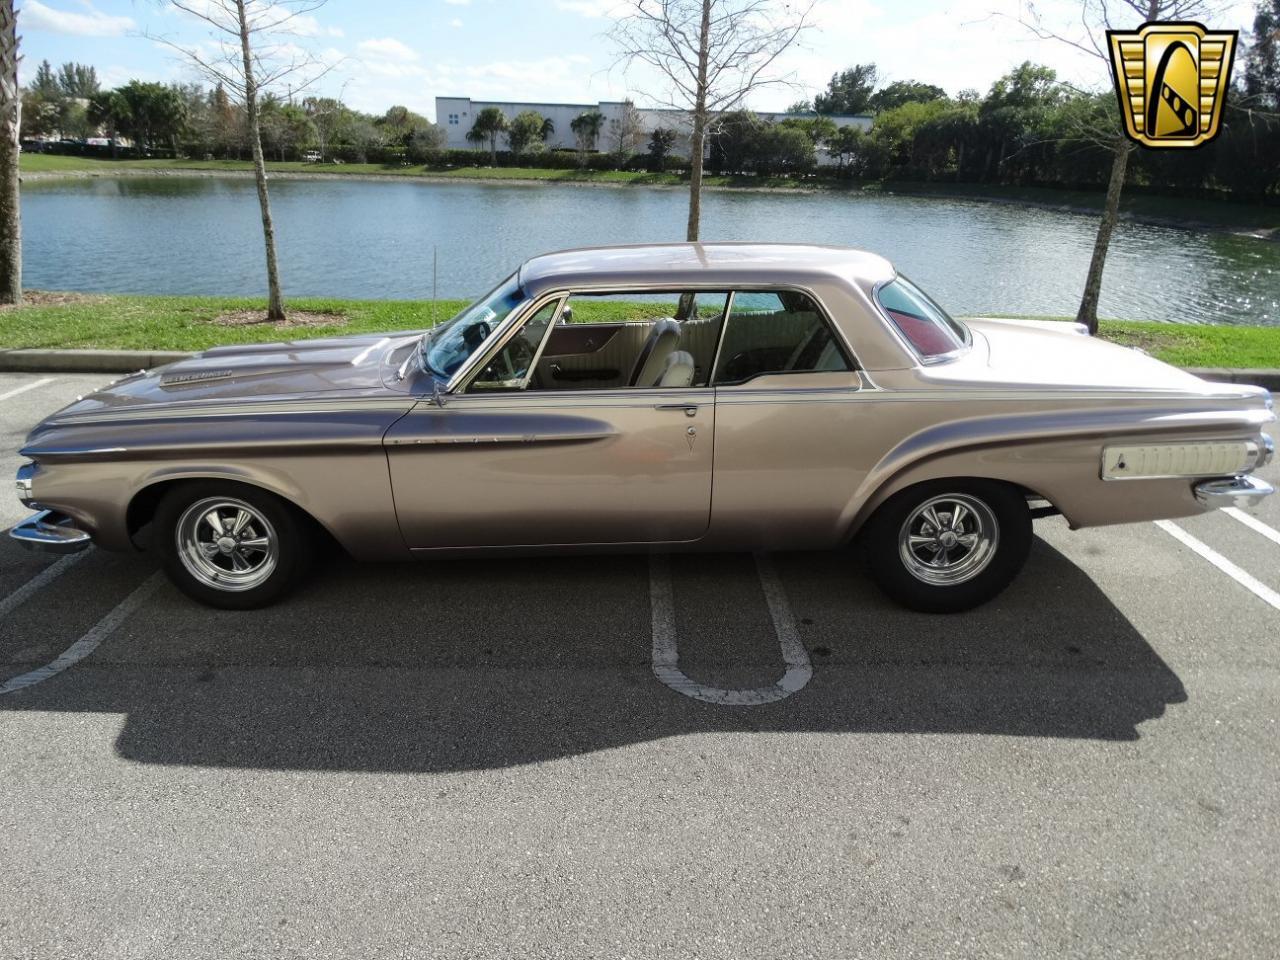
(337, 366)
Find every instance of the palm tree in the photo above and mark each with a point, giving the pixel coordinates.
(490, 124)
(10, 206)
(586, 129)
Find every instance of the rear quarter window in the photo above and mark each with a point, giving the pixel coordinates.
(924, 324)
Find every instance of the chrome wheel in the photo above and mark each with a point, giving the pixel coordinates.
(948, 539)
(227, 544)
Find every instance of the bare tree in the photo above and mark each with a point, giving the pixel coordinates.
(1089, 35)
(253, 50)
(626, 131)
(10, 203)
(710, 54)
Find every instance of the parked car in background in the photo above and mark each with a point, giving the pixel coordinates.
(311, 156)
(711, 396)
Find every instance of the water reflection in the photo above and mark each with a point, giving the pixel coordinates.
(355, 238)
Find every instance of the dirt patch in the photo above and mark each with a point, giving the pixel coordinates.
(1143, 340)
(53, 298)
(294, 318)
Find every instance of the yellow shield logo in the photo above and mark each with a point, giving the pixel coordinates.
(1171, 80)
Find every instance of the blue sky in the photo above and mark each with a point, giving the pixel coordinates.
(410, 51)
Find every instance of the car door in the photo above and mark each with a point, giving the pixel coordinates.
(793, 423)
(542, 467)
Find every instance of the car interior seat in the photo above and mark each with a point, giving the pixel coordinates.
(651, 363)
(678, 370)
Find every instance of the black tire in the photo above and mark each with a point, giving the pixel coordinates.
(182, 527)
(993, 539)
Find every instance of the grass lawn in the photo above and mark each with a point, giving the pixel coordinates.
(1214, 213)
(51, 163)
(65, 321)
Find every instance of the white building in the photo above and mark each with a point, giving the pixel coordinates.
(455, 115)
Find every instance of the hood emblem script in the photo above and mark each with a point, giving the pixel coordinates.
(198, 376)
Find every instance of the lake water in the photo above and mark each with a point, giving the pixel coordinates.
(374, 239)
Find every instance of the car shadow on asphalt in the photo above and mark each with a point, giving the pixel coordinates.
(484, 664)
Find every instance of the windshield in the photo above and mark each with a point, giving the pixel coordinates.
(447, 348)
(926, 325)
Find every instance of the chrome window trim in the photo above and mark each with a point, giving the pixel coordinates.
(461, 380)
(696, 286)
(724, 326)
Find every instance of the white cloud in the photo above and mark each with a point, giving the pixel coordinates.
(308, 26)
(94, 23)
(459, 3)
(455, 22)
(387, 48)
(595, 9)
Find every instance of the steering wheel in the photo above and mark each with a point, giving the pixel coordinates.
(476, 334)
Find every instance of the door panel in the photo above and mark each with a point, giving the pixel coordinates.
(534, 468)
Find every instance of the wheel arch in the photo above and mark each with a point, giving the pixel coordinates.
(960, 467)
(144, 502)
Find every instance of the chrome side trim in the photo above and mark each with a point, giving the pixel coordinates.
(1232, 492)
(49, 532)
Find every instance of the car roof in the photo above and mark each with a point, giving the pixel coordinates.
(700, 264)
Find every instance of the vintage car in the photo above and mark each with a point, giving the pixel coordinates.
(715, 396)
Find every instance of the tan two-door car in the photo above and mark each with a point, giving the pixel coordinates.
(655, 397)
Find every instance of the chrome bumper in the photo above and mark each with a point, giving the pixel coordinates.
(1235, 492)
(49, 532)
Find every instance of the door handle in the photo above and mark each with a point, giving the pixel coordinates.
(690, 409)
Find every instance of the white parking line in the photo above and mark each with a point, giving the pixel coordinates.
(666, 655)
(27, 386)
(90, 641)
(1242, 577)
(1253, 523)
(40, 580)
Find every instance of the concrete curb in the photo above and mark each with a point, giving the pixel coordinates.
(86, 361)
(130, 361)
(1256, 376)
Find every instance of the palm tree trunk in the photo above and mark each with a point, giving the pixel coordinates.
(1088, 312)
(275, 301)
(699, 137)
(10, 202)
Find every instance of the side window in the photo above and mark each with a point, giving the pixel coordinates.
(510, 369)
(633, 339)
(776, 332)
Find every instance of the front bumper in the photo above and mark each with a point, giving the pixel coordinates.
(49, 532)
(1234, 492)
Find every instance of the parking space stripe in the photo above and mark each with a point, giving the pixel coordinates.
(1253, 523)
(40, 581)
(43, 381)
(1242, 577)
(90, 641)
(666, 654)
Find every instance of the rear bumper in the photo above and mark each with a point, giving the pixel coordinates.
(1235, 492)
(49, 532)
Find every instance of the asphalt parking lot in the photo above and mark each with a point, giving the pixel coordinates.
(538, 758)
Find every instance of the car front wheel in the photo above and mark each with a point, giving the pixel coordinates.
(230, 545)
(948, 545)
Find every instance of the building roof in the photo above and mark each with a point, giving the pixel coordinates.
(700, 264)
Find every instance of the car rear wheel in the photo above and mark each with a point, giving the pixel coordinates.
(948, 545)
(230, 545)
